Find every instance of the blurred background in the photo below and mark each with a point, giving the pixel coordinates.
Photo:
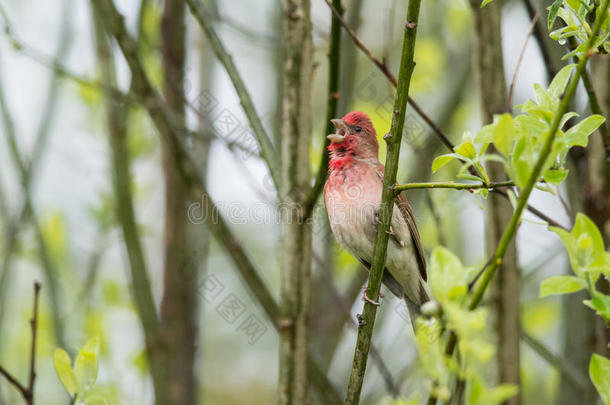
(57, 203)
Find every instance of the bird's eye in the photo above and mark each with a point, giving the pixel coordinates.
(358, 128)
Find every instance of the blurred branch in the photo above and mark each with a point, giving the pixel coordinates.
(542, 39)
(27, 392)
(457, 186)
(572, 377)
(25, 176)
(116, 116)
(333, 94)
(267, 150)
(393, 139)
(509, 101)
(154, 105)
(382, 65)
(297, 235)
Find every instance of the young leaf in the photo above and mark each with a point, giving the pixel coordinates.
(553, 9)
(448, 280)
(485, 2)
(578, 134)
(63, 368)
(555, 176)
(503, 134)
(441, 161)
(86, 365)
(560, 81)
(561, 285)
(599, 371)
(466, 149)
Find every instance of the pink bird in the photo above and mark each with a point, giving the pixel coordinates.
(352, 195)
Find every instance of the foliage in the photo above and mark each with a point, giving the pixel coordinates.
(519, 139)
(79, 380)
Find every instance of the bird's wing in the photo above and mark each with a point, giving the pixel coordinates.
(407, 214)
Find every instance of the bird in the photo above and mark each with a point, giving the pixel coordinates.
(352, 196)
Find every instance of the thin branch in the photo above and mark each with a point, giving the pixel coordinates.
(457, 186)
(382, 65)
(604, 129)
(393, 139)
(267, 150)
(28, 392)
(386, 71)
(541, 37)
(509, 100)
(513, 225)
(559, 363)
(160, 117)
(334, 59)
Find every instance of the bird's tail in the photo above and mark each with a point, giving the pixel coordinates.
(414, 305)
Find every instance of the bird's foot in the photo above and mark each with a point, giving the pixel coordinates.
(364, 288)
(365, 298)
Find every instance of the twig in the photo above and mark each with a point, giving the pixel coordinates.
(382, 65)
(161, 119)
(541, 38)
(267, 150)
(509, 100)
(560, 364)
(457, 186)
(393, 139)
(386, 71)
(513, 225)
(334, 59)
(28, 392)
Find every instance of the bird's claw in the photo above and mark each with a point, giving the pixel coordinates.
(365, 298)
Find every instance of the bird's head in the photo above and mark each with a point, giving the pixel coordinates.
(355, 136)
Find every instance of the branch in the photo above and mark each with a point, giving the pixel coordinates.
(28, 392)
(160, 117)
(457, 186)
(509, 101)
(573, 378)
(267, 150)
(513, 225)
(393, 140)
(386, 71)
(334, 59)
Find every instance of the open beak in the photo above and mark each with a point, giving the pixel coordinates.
(341, 127)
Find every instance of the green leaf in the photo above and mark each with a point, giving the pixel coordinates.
(560, 81)
(485, 2)
(441, 161)
(553, 9)
(448, 279)
(601, 304)
(430, 350)
(86, 365)
(503, 134)
(466, 149)
(561, 285)
(63, 368)
(599, 371)
(555, 176)
(579, 133)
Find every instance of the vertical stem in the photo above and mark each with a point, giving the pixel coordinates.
(295, 178)
(491, 82)
(393, 139)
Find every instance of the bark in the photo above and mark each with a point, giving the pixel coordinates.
(491, 83)
(296, 233)
(116, 115)
(179, 303)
